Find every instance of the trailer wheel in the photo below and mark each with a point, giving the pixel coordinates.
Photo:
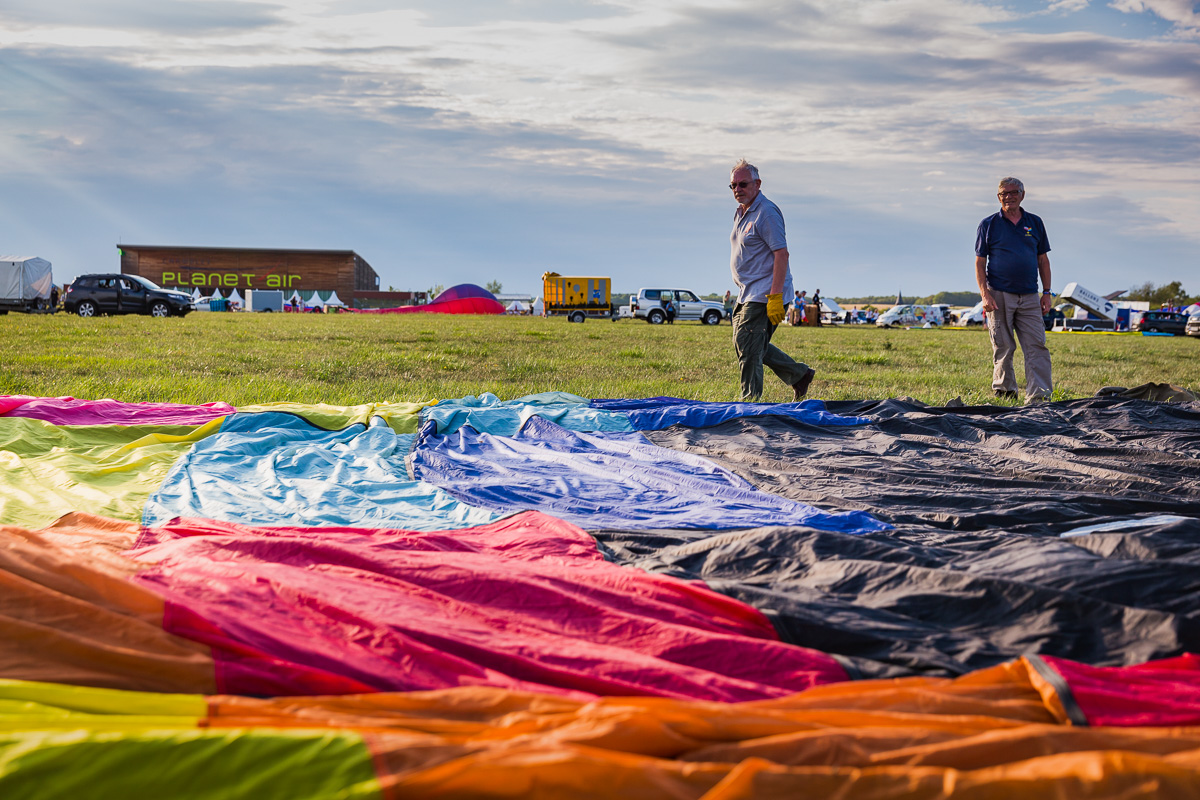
(577, 316)
(656, 317)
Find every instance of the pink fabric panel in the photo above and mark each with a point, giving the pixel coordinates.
(525, 603)
(70, 411)
(1158, 693)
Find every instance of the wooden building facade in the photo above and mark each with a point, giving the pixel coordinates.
(228, 268)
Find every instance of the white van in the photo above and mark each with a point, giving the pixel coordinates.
(910, 316)
(972, 316)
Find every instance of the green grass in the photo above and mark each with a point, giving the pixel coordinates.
(349, 358)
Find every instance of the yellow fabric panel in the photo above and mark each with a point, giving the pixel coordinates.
(32, 705)
(400, 417)
(49, 470)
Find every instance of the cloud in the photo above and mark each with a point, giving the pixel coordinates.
(192, 17)
(1181, 13)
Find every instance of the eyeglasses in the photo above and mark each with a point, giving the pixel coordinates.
(740, 184)
(1003, 195)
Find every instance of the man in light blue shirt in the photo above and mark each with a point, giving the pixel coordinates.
(758, 260)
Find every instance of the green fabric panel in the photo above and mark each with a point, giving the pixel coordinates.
(30, 705)
(186, 765)
(48, 470)
(400, 417)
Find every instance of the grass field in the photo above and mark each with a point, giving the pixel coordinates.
(351, 358)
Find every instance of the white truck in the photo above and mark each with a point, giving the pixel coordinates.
(911, 315)
(25, 284)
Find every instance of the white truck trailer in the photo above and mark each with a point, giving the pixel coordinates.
(25, 284)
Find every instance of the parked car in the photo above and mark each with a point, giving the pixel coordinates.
(1193, 325)
(90, 295)
(647, 305)
(1051, 317)
(1162, 322)
(972, 316)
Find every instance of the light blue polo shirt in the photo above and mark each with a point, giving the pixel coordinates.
(756, 236)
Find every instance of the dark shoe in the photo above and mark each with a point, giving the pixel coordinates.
(1006, 394)
(800, 387)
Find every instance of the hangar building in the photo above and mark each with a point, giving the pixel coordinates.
(227, 268)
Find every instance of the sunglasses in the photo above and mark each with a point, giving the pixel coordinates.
(740, 184)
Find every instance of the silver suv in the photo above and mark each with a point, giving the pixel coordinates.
(647, 304)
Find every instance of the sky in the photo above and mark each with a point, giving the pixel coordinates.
(471, 141)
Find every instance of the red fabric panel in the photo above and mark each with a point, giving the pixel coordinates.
(525, 603)
(1162, 693)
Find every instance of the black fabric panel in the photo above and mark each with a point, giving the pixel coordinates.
(1044, 468)
(975, 572)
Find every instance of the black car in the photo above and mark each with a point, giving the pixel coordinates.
(90, 295)
(1162, 322)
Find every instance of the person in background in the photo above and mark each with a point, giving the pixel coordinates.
(1011, 250)
(816, 301)
(728, 305)
(759, 262)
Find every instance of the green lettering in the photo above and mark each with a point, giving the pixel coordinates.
(229, 279)
(249, 276)
(273, 282)
(169, 277)
(291, 279)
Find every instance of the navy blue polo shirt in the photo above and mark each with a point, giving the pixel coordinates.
(1012, 251)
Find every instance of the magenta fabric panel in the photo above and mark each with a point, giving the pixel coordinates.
(463, 305)
(525, 603)
(1162, 693)
(71, 411)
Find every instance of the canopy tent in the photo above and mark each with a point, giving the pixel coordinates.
(196, 293)
(466, 298)
(517, 307)
(475, 596)
(334, 300)
(234, 297)
(315, 301)
(216, 294)
(539, 307)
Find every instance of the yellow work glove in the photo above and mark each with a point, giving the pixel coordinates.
(775, 308)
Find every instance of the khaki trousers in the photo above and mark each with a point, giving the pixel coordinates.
(1022, 314)
(752, 333)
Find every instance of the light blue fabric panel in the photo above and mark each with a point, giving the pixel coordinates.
(277, 469)
(489, 414)
(656, 413)
(602, 481)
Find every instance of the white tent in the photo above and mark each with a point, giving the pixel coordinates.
(315, 301)
(539, 307)
(216, 294)
(334, 300)
(517, 307)
(234, 297)
(196, 293)
(25, 278)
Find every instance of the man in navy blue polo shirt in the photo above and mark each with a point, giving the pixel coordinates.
(1010, 255)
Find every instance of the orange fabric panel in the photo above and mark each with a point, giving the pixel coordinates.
(69, 614)
(1109, 774)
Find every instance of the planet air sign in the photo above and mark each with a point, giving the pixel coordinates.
(228, 280)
